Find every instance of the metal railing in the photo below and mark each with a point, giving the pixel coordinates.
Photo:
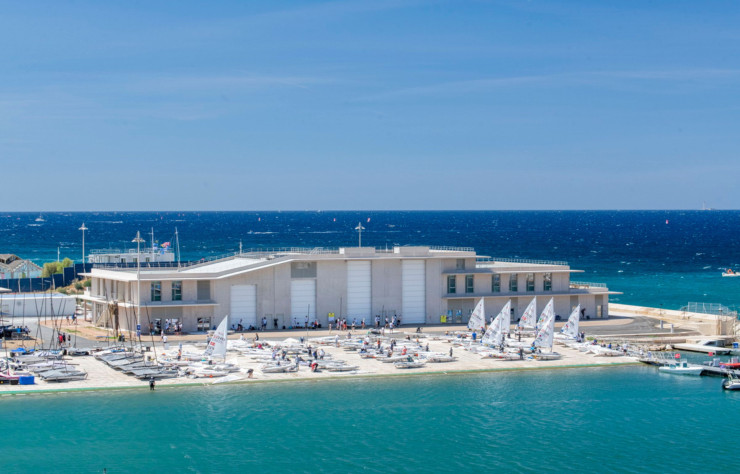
(445, 248)
(709, 308)
(521, 260)
(586, 284)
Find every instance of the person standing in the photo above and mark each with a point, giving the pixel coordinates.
(164, 340)
(151, 383)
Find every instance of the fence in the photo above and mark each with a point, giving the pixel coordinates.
(26, 285)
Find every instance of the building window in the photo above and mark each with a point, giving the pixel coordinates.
(176, 291)
(496, 283)
(530, 281)
(469, 288)
(512, 282)
(156, 291)
(547, 284)
(451, 284)
(460, 264)
(203, 290)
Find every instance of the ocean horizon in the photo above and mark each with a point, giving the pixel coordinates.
(661, 258)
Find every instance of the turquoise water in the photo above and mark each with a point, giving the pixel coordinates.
(628, 419)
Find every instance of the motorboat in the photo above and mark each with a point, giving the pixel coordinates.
(730, 273)
(731, 383)
(681, 367)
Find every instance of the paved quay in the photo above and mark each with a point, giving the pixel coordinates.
(103, 377)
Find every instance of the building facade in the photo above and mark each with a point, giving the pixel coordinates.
(288, 287)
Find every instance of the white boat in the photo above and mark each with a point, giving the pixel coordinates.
(731, 383)
(437, 358)
(569, 331)
(410, 363)
(546, 356)
(40, 218)
(278, 369)
(477, 319)
(730, 273)
(498, 355)
(681, 367)
(527, 321)
(217, 344)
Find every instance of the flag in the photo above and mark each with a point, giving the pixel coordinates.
(166, 244)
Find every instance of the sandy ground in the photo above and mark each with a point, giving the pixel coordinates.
(100, 376)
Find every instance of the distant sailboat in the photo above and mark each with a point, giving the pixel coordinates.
(40, 218)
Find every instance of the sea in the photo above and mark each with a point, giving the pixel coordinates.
(655, 258)
(613, 419)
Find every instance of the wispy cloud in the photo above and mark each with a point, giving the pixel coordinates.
(592, 78)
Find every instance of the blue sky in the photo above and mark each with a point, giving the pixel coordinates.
(185, 105)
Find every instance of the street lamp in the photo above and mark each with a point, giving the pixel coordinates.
(83, 229)
(359, 230)
(138, 241)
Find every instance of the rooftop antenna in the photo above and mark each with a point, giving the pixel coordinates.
(138, 240)
(359, 230)
(177, 245)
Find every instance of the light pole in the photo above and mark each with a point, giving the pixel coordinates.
(359, 230)
(138, 241)
(83, 229)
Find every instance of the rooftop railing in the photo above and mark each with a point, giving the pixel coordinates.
(587, 284)
(521, 260)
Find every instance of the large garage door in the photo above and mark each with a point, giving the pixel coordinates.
(359, 295)
(243, 305)
(413, 292)
(302, 301)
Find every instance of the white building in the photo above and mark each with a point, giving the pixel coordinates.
(129, 256)
(421, 285)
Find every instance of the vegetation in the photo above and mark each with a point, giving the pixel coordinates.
(52, 268)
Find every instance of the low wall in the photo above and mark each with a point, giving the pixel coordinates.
(707, 324)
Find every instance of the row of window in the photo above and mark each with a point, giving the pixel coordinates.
(496, 283)
(157, 291)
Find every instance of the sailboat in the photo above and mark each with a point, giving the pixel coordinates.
(217, 344)
(494, 336)
(545, 334)
(527, 321)
(569, 331)
(477, 319)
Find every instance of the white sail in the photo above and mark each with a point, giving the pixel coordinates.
(570, 328)
(491, 335)
(506, 317)
(546, 332)
(478, 317)
(217, 344)
(528, 318)
(494, 335)
(545, 314)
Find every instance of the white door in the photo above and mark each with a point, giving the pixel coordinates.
(302, 301)
(243, 305)
(413, 292)
(359, 294)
